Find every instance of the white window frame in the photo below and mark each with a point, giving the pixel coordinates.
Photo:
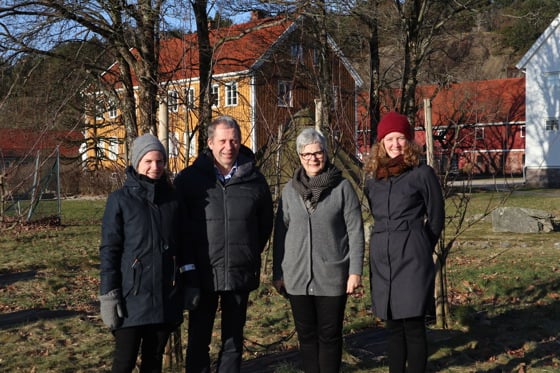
(192, 144)
(174, 144)
(173, 101)
(316, 56)
(232, 94)
(190, 98)
(336, 98)
(479, 133)
(112, 109)
(296, 53)
(215, 95)
(99, 111)
(112, 146)
(285, 96)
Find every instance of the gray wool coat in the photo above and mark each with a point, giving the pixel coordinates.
(315, 253)
(409, 215)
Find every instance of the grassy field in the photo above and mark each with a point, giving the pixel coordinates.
(504, 291)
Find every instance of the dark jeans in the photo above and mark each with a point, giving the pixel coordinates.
(233, 306)
(407, 344)
(150, 339)
(318, 323)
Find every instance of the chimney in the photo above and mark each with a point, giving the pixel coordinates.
(257, 14)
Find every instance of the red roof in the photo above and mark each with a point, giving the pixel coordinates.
(483, 101)
(236, 48)
(18, 143)
(471, 102)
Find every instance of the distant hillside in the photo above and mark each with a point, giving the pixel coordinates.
(464, 57)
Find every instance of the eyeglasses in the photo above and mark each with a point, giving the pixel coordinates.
(308, 156)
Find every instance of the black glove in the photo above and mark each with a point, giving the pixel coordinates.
(192, 298)
(111, 308)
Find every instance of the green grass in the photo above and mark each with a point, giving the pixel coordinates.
(504, 291)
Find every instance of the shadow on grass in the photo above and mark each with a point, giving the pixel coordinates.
(25, 316)
(518, 338)
(9, 278)
(526, 336)
(367, 349)
(11, 319)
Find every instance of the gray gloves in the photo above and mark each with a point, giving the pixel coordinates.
(111, 308)
(192, 298)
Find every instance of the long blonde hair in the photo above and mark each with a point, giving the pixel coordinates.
(378, 153)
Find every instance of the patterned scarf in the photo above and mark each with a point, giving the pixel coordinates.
(391, 167)
(313, 188)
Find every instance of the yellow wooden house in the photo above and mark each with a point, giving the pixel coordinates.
(265, 72)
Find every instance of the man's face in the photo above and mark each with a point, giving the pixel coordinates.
(225, 146)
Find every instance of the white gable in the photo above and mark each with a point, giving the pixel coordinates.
(541, 64)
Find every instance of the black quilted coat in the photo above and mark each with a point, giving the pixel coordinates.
(227, 225)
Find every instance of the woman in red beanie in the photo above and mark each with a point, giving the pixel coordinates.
(406, 201)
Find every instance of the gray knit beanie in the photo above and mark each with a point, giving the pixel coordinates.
(143, 144)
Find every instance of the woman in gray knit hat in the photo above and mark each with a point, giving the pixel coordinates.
(318, 252)
(141, 285)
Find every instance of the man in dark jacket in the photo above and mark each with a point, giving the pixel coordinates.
(227, 217)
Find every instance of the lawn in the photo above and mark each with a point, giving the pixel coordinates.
(504, 291)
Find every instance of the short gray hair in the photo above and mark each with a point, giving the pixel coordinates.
(310, 135)
(226, 120)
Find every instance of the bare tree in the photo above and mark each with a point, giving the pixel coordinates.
(129, 32)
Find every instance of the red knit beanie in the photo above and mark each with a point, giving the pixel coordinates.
(394, 122)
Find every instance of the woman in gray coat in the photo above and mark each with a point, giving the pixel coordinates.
(318, 252)
(406, 201)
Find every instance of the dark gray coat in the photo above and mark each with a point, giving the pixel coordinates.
(139, 251)
(227, 225)
(409, 215)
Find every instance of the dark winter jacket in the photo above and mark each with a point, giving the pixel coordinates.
(139, 251)
(408, 213)
(228, 225)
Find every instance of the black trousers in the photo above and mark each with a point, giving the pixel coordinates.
(318, 322)
(150, 339)
(408, 345)
(201, 323)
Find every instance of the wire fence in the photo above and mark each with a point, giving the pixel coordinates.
(30, 190)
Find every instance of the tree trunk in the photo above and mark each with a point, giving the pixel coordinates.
(205, 68)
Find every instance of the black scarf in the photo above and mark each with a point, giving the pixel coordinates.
(391, 167)
(313, 188)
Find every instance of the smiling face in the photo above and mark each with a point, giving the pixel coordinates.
(225, 144)
(313, 159)
(394, 143)
(152, 164)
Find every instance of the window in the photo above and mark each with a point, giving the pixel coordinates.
(190, 98)
(215, 95)
(231, 94)
(112, 148)
(174, 144)
(99, 110)
(296, 52)
(284, 93)
(316, 56)
(112, 109)
(479, 133)
(192, 144)
(173, 101)
(522, 131)
(335, 96)
(551, 124)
